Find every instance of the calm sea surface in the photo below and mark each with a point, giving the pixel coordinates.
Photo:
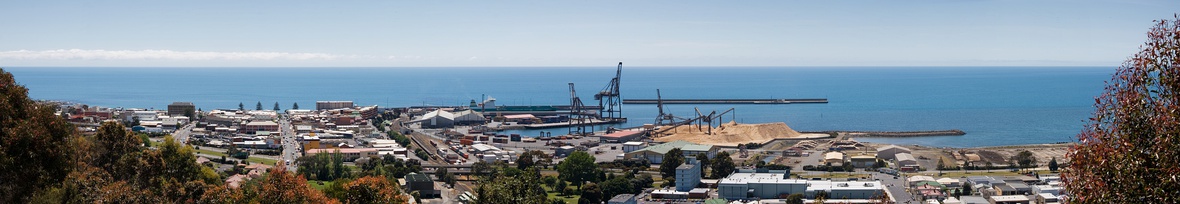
(994, 105)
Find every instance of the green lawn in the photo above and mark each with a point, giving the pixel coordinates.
(317, 186)
(570, 199)
(211, 152)
(250, 159)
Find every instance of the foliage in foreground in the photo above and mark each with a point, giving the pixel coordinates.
(1130, 150)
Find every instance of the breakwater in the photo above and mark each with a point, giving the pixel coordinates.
(724, 101)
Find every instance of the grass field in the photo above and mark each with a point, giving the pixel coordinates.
(249, 159)
(570, 199)
(317, 186)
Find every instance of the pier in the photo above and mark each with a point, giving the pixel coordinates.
(724, 101)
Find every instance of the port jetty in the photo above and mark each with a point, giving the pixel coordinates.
(724, 101)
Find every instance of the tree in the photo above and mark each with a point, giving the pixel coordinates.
(371, 189)
(526, 160)
(615, 186)
(241, 107)
(276, 106)
(592, 193)
(295, 106)
(795, 199)
(966, 190)
(722, 165)
(444, 176)
(523, 188)
(560, 187)
(704, 162)
(279, 186)
(578, 168)
(36, 146)
(259, 106)
(1025, 159)
(1133, 139)
(674, 158)
(1053, 164)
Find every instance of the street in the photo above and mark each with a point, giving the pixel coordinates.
(291, 145)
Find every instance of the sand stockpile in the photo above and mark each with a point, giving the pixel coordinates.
(732, 133)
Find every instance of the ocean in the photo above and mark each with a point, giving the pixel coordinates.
(994, 105)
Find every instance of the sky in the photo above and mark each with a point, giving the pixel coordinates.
(574, 33)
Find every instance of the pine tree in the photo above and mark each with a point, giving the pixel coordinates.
(259, 106)
(276, 106)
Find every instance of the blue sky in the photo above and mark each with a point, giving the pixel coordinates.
(574, 33)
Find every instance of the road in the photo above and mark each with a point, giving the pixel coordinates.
(291, 145)
(181, 134)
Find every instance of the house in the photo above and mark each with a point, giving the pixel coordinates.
(655, 153)
(889, 152)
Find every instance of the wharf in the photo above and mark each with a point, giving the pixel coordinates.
(511, 125)
(724, 101)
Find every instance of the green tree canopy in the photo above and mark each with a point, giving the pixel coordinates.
(578, 168)
(674, 158)
(722, 165)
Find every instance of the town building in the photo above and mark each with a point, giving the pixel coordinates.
(777, 185)
(622, 199)
(329, 105)
(1009, 199)
(421, 183)
(655, 153)
(688, 175)
(254, 126)
(349, 154)
(181, 109)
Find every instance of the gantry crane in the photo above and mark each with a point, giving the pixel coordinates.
(609, 99)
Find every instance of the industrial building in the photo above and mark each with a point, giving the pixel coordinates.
(633, 146)
(889, 152)
(622, 199)
(468, 117)
(655, 153)
(834, 158)
(863, 160)
(906, 160)
(620, 136)
(436, 119)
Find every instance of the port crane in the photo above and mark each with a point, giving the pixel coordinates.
(609, 99)
(578, 121)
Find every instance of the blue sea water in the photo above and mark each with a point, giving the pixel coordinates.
(994, 105)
